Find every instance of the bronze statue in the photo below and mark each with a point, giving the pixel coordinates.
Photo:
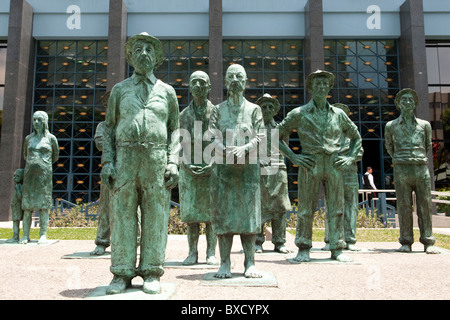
(16, 205)
(140, 166)
(40, 151)
(408, 141)
(274, 185)
(194, 180)
(235, 193)
(320, 127)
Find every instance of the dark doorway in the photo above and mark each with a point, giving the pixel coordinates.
(371, 158)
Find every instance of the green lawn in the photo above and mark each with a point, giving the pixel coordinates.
(363, 235)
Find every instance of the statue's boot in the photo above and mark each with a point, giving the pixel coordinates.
(151, 285)
(118, 285)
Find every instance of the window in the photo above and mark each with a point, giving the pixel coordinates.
(438, 69)
(367, 80)
(70, 81)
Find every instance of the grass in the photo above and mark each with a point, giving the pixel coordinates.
(382, 235)
(363, 235)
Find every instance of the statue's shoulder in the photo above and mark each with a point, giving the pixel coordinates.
(165, 86)
(423, 123)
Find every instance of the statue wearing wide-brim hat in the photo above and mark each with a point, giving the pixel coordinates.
(144, 36)
(269, 98)
(319, 73)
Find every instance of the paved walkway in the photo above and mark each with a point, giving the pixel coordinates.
(378, 272)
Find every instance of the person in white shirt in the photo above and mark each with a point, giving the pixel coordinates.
(369, 184)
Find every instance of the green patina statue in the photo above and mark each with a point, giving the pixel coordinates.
(140, 166)
(235, 187)
(103, 238)
(351, 195)
(320, 127)
(195, 175)
(16, 205)
(40, 151)
(274, 185)
(408, 141)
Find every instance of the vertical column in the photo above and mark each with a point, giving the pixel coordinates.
(413, 60)
(313, 45)
(17, 99)
(117, 36)
(215, 51)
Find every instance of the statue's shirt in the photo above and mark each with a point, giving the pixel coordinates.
(408, 144)
(318, 132)
(142, 112)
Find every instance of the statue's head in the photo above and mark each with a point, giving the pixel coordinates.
(319, 83)
(406, 99)
(199, 84)
(18, 175)
(269, 106)
(40, 122)
(236, 78)
(144, 52)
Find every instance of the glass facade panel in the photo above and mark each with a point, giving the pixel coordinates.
(367, 79)
(70, 81)
(438, 68)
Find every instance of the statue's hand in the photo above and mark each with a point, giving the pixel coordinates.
(203, 171)
(303, 161)
(171, 176)
(344, 162)
(108, 175)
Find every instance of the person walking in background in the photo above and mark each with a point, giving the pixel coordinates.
(368, 183)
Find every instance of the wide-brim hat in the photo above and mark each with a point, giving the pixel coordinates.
(268, 97)
(319, 73)
(404, 91)
(144, 36)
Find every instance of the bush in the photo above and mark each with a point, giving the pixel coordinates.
(72, 217)
(362, 220)
(443, 207)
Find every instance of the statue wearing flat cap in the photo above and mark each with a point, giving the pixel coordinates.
(140, 166)
(274, 183)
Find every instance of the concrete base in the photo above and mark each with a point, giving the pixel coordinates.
(133, 293)
(363, 250)
(237, 279)
(31, 243)
(199, 265)
(322, 261)
(87, 255)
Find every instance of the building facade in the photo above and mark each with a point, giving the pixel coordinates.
(62, 56)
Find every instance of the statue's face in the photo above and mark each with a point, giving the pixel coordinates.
(320, 87)
(143, 57)
(268, 110)
(236, 79)
(17, 177)
(407, 103)
(199, 85)
(38, 123)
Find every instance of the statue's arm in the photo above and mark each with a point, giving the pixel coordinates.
(55, 149)
(428, 135)
(388, 140)
(173, 145)
(109, 127)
